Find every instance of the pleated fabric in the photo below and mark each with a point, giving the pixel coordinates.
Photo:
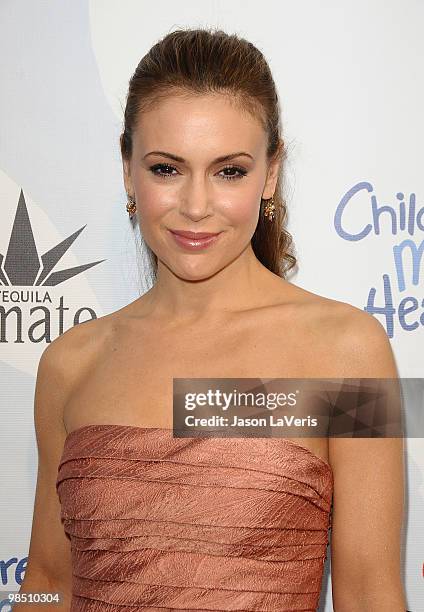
(176, 524)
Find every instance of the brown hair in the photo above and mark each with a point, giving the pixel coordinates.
(200, 61)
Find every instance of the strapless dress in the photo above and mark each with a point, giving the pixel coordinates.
(176, 524)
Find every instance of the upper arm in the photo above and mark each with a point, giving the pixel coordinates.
(368, 486)
(49, 551)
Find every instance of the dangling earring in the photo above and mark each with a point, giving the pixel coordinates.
(269, 209)
(131, 206)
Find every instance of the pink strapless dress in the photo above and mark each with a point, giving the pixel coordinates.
(176, 524)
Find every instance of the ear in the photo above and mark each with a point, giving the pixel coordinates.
(127, 176)
(273, 173)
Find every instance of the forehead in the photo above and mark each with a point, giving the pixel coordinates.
(210, 124)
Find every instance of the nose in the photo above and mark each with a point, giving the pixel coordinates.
(195, 200)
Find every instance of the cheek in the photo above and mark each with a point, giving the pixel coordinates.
(153, 199)
(242, 208)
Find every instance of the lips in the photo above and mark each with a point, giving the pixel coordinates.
(194, 235)
(194, 241)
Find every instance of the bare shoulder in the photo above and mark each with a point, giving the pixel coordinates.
(69, 355)
(361, 345)
(73, 355)
(357, 344)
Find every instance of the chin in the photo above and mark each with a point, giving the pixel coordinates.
(194, 274)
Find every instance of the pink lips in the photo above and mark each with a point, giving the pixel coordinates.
(194, 235)
(194, 240)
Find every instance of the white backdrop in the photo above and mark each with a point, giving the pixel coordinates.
(350, 80)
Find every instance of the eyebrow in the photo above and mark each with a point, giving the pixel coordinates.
(182, 160)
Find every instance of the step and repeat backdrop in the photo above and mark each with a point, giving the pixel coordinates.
(350, 81)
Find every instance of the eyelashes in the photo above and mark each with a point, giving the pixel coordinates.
(156, 167)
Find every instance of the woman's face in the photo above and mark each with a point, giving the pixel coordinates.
(197, 192)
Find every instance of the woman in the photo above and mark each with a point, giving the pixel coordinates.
(161, 523)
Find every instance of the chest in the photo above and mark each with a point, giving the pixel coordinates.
(130, 381)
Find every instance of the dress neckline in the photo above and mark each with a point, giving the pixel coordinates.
(136, 428)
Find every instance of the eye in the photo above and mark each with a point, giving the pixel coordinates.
(165, 167)
(165, 171)
(241, 172)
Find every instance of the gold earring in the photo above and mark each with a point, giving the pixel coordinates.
(269, 209)
(131, 206)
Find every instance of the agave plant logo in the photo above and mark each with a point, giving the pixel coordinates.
(30, 306)
(22, 264)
